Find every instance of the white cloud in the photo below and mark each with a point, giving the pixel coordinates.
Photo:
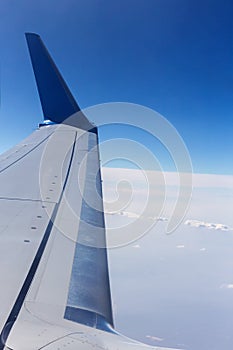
(161, 218)
(208, 225)
(171, 178)
(135, 215)
(136, 246)
(151, 337)
(180, 246)
(227, 286)
(202, 249)
(123, 213)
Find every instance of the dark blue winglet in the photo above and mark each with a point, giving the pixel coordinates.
(57, 102)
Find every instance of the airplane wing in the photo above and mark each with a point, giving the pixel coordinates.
(55, 289)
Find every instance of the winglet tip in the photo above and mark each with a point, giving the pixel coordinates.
(31, 35)
(58, 104)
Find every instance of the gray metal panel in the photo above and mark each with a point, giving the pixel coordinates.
(22, 226)
(24, 215)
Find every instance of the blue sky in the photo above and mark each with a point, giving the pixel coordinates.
(174, 56)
